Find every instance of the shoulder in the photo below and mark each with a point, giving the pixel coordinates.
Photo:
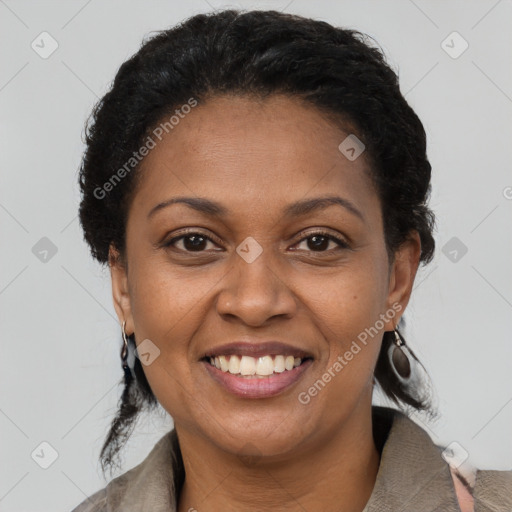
(95, 503)
(471, 488)
(149, 483)
(483, 490)
(493, 490)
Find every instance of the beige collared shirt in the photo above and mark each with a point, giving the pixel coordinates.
(412, 476)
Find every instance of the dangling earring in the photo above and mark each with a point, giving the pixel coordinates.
(399, 359)
(406, 368)
(408, 371)
(124, 357)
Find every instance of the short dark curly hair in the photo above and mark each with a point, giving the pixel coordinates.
(255, 53)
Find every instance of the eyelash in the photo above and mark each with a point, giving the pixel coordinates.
(341, 243)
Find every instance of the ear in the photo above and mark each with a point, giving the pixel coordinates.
(120, 289)
(402, 274)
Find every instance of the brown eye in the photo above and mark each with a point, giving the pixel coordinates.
(192, 242)
(319, 242)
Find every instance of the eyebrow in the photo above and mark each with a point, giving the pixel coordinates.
(303, 207)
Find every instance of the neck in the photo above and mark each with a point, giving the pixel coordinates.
(337, 473)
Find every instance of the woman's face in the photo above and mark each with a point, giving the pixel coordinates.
(255, 273)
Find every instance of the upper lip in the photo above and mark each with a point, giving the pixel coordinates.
(257, 349)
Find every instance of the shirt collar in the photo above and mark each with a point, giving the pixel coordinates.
(412, 473)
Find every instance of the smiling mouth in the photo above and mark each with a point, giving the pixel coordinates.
(255, 367)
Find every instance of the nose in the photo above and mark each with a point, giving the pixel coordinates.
(255, 292)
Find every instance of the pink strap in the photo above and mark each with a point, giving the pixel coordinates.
(466, 502)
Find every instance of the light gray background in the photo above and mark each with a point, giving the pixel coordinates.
(60, 369)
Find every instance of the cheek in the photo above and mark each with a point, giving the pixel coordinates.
(164, 301)
(167, 309)
(348, 301)
(163, 311)
(346, 309)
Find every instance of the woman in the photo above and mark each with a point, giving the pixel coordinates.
(258, 186)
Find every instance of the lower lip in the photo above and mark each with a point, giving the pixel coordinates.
(255, 387)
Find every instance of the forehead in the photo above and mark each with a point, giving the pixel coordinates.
(257, 154)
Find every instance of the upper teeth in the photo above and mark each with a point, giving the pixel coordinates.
(247, 365)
